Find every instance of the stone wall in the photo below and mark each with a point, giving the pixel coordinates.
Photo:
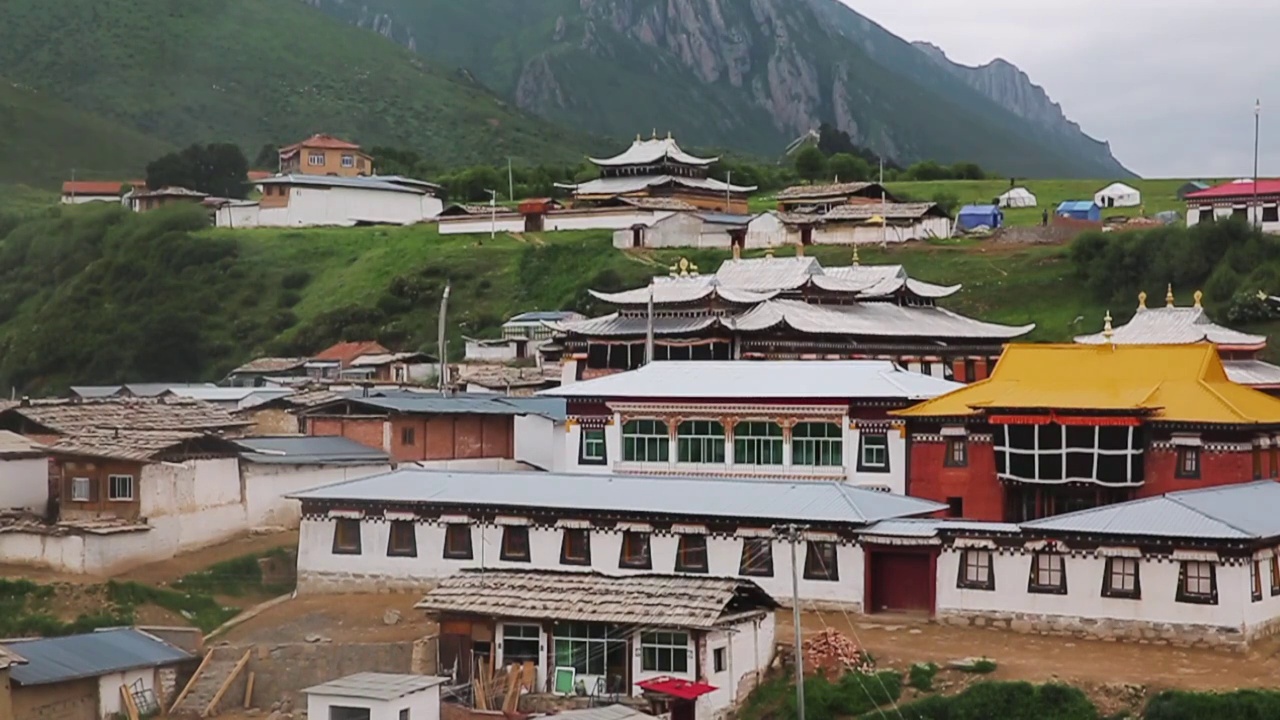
(319, 583)
(284, 670)
(1110, 630)
(280, 570)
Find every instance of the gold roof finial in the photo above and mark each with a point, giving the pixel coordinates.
(855, 254)
(1168, 296)
(1198, 297)
(683, 268)
(1107, 330)
(1142, 300)
(768, 252)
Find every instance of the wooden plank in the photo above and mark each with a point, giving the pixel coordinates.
(192, 682)
(528, 676)
(126, 702)
(211, 709)
(511, 700)
(248, 691)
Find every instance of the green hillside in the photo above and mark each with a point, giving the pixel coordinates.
(43, 139)
(259, 71)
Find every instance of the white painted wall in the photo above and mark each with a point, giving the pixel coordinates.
(538, 442)
(476, 224)
(109, 702)
(344, 206)
(486, 352)
(585, 219)
(674, 229)
(749, 650)
(1255, 214)
(194, 503)
(238, 216)
(422, 705)
(266, 485)
(24, 483)
(767, 230)
(82, 199)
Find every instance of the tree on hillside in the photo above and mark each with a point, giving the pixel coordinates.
(848, 168)
(810, 164)
(832, 141)
(967, 171)
(268, 157)
(395, 161)
(217, 169)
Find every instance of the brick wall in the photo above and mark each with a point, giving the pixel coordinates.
(366, 431)
(1216, 468)
(75, 700)
(976, 484)
(284, 670)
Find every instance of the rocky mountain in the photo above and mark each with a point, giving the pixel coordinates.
(743, 74)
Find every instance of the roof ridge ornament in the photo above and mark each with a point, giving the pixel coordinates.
(855, 254)
(1198, 296)
(1107, 331)
(683, 268)
(1168, 296)
(1142, 300)
(768, 253)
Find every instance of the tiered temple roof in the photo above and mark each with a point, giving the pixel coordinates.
(650, 164)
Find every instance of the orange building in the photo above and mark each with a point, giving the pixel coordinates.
(325, 155)
(1059, 428)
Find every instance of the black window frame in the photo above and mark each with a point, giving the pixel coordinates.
(338, 547)
(1180, 471)
(392, 550)
(408, 436)
(1270, 213)
(512, 537)
(583, 560)
(582, 447)
(1275, 575)
(862, 444)
(745, 568)
(1185, 596)
(1255, 580)
(949, 460)
(815, 568)
(698, 548)
(632, 562)
(1108, 575)
(962, 576)
(1035, 587)
(718, 659)
(451, 553)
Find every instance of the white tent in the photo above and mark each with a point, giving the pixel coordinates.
(1017, 197)
(1117, 195)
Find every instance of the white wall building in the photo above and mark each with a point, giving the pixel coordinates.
(1257, 205)
(376, 696)
(506, 221)
(782, 419)
(316, 200)
(857, 224)
(681, 229)
(24, 473)
(1117, 195)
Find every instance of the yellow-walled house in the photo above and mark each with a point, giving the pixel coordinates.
(325, 155)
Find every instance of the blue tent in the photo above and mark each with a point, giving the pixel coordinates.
(972, 216)
(1080, 210)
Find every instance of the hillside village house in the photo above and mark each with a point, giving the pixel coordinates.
(849, 224)
(1190, 567)
(400, 368)
(675, 223)
(636, 221)
(257, 372)
(132, 390)
(330, 362)
(325, 155)
(24, 474)
(1257, 203)
(376, 696)
(824, 197)
(78, 192)
(302, 200)
(785, 308)
(1058, 428)
(794, 420)
(1173, 325)
(147, 200)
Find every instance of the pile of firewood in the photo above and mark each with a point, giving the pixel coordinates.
(831, 654)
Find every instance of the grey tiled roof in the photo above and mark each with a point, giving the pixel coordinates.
(55, 660)
(376, 686)
(1172, 326)
(310, 450)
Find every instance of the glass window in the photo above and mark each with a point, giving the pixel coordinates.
(1121, 578)
(1048, 574)
(718, 659)
(1189, 462)
(817, 444)
(407, 436)
(315, 158)
(1275, 575)
(119, 487)
(666, 652)
(976, 572)
(1255, 580)
(645, 441)
(457, 542)
(575, 547)
(591, 449)
(700, 441)
(757, 557)
(80, 489)
(519, 643)
(589, 648)
(1198, 583)
(957, 452)
(346, 536)
(515, 543)
(635, 551)
(821, 561)
(343, 712)
(348, 161)
(691, 554)
(403, 541)
(873, 455)
(757, 443)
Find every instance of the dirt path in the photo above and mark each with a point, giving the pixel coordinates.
(340, 618)
(1037, 658)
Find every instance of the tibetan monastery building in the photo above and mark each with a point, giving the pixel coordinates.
(1173, 325)
(1060, 428)
(786, 308)
(658, 168)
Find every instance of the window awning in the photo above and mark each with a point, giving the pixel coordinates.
(676, 687)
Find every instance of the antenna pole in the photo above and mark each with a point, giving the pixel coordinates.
(440, 343)
(793, 534)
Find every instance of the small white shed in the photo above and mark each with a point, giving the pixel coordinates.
(1017, 197)
(376, 696)
(1117, 195)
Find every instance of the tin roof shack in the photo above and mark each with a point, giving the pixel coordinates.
(607, 635)
(8, 660)
(376, 696)
(82, 676)
(24, 474)
(274, 467)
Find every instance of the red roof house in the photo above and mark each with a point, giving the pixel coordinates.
(345, 352)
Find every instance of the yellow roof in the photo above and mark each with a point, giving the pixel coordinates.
(1174, 383)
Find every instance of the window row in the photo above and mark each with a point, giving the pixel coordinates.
(1121, 577)
(120, 488)
(821, 560)
(756, 442)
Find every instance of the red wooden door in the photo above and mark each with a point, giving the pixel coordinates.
(901, 581)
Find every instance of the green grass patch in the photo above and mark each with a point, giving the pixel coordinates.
(921, 675)
(1003, 701)
(849, 695)
(200, 610)
(1238, 705)
(235, 578)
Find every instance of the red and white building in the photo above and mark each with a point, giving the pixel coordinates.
(1253, 201)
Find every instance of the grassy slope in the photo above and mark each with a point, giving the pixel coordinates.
(42, 139)
(257, 71)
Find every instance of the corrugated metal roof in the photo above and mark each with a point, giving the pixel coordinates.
(1173, 326)
(767, 273)
(359, 183)
(54, 660)
(931, 527)
(1252, 372)
(231, 394)
(604, 712)
(1230, 512)
(537, 316)
(376, 686)
(878, 319)
(621, 185)
(636, 326)
(746, 379)
(813, 501)
(681, 601)
(1076, 206)
(310, 450)
(650, 151)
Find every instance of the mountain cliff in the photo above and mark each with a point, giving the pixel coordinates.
(743, 74)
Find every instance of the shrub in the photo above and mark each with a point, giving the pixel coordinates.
(921, 676)
(295, 280)
(288, 299)
(984, 666)
(1238, 705)
(1247, 307)
(1006, 701)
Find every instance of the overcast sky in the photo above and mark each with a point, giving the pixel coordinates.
(1170, 83)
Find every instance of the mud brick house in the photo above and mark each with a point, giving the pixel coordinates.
(1058, 428)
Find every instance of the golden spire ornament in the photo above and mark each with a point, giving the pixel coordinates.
(1142, 300)
(1168, 296)
(1107, 330)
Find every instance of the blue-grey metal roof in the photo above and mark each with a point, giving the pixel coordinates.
(1075, 206)
(542, 316)
(361, 183)
(409, 401)
(930, 527)
(1231, 512)
(716, 218)
(310, 450)
(54, 660)
(979, 210)
(551, 407)
(805, 501)
(376, 686)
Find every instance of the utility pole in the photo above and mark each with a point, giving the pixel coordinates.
(648, 328)
(511, 183)
(884, 209)
(728, 184)
(73, 183)
(792, 533)
(440, 343)
(493, 213)
(1257, 126)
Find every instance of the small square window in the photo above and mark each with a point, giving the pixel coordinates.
(955, 507)
(348, 161)
(1120, 579)
(1189, 463)
(346, 536)
(403, 541)
(957, 452)
(591, 447)
(404, 714)
(457, 542)
(315, 158)
(575, 547)
(635, 551)
(407, 436)
(1048, 574)
(81, 488)
(691, 554)
(718, 660)
(821, 561)
(1197, 583)
(515, 543)
(873, 456)
(757, 557)
(120, 487)
(976, 572)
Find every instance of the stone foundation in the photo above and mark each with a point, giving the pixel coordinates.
(1264, 629)
(322, 583)
(1108, 629)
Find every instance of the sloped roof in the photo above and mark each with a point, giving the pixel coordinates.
(889, 211)
(309, 450)
(879, 319)
(979, 210)
(1076, 206)
(1117, 189)
(538, 316)
(13, 445)
(92, 187)
(637, 183)
(266, 365)
(397, 185)
(376, 359)
(432, 403)
(1238, 189)
(642, 600)
(376, 686)
(345, 352)
(747, 380)
(171, 191)
(824, 190)
(1174, 326)
(133, 445)
(321, 141)
(1018, 192)
(1229, 512)
(1255, 373)
(1173, 383)
(830, 502)
(653, 150)
(128, 414)
(55, 660)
